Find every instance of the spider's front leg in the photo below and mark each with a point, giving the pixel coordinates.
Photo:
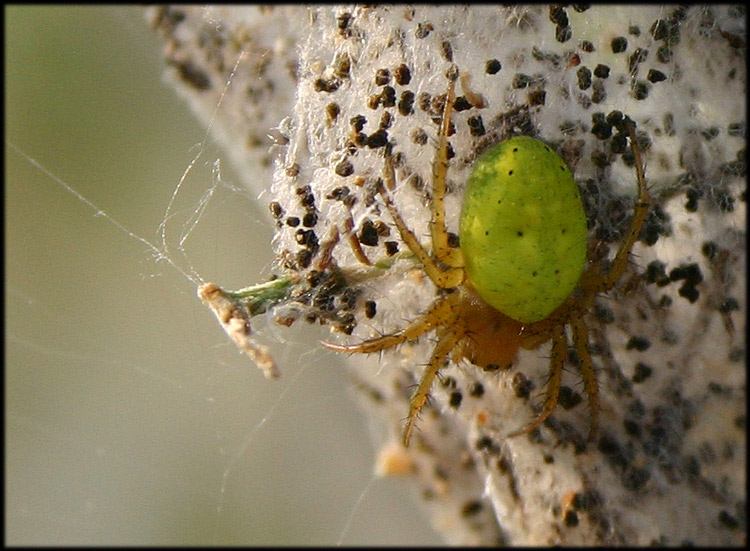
(441, 248)
(446, 269)
(441, 313)
(444, 277)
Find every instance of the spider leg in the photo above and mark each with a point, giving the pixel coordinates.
(557, 359)
(450, 256)
(580, 341)
(441, 277)
(640, 212)
(441, 313)
(445, 344)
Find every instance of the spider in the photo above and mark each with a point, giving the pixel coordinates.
(487, 308)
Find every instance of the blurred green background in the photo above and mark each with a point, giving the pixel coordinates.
(130, 417)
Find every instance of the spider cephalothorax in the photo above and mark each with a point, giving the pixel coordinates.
(521, 273)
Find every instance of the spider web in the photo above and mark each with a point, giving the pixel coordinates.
(130, 418)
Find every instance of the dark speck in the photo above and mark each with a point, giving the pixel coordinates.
(619, 44)
(640, 90)
(664, 54)
(710, 250)
(329, 85)
(369, 234)
(476, 125)
(194, 76)
(521, 385)
(423, 29)
(462, 104)
(660, 29)
(472, 508)
(370, 309)
(382, 77)
(310, 219)
(447, 50)
(729, 304)
(638, 57)
(655, 76)
(690, 293)
(728, 520)
(563, 34)
(558, 16)
(492, 66)
(406, 103)
(601, 71)
(377, 139)
(391, 248)
(476, 390)
(642, 372)
(455, 399)
(691, 273)
(656, 273)
(632, 428)
(388, 96)
(402, 75)
(635, 478)
(608, 445)
(584, 78)
(358, 122)
(638, 343)
(419, 136)
(487, 443)
(344, 168)
(276, 209)
(568, 398)
(520, 80)
(571, 519)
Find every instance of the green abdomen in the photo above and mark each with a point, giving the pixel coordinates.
(523, 229)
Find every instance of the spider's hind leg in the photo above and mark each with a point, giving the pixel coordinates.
(590, 385)
(552, 392)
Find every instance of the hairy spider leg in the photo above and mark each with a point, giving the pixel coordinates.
(439, 314)
(446, 342)
(557, 360)
(620, 262)
(447, 255)
(590, 386)
(443, 278)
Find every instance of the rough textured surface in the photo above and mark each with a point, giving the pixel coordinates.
(333, 84)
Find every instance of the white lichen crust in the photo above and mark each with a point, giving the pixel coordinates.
(668, 465)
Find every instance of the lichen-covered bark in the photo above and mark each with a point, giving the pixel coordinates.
(332, 85)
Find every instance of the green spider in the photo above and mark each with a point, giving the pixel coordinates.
(519, 276)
